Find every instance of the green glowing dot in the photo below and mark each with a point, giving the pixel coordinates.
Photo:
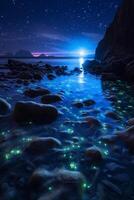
(73, 166)
(50, 188)
(86, 186)
(82, 139)
(7, 156)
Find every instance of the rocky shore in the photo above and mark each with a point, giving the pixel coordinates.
(114, 57)
(48, 154)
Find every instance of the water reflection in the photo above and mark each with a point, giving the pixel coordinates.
(81, 76)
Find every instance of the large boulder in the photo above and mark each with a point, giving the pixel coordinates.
(57, 184)
(5, 107)
(94, 154)
(34, 112)
(42, 145)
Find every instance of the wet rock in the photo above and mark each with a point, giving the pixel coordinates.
(130, 122)
(114, 167)
(76, 70)
(94, 67)
(89, 102)
(112, 187)
(127, 137)
(50, 98)
(42, 145)
(109, 77)
(63, 182)
(51, 76)
(108, 139)
(5, 107)
(112, 115)
(78, 104)
(112, 98)
(25, 75)
(33, 93)
(94, 154)
(38, 113)
(92, 122)
(19, 81)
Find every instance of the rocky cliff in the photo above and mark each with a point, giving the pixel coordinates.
(119, 37)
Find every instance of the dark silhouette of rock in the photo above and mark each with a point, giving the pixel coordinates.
(33, 93)
(5, 107)
(50, 98)
(65, 183)
(115, 52)
(118, 40)
(34, 112)
(42, 145)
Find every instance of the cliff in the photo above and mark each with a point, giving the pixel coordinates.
(118, 41)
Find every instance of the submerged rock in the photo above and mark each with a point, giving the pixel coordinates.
(108, 139)
(42, 145)
(27, 111)
(51, 98)
(94, 67)
(89, 102)
(5, 107)
(112, 115)
(94, 154)
(33, 93)
(62, 182)
(92, 121)
(78, 104)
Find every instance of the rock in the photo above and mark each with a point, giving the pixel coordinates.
(55, 194)
(109, 77)
(112, 115)
(42, 145)
(108, 139)
(5, 107)
(127, 137)
(25, 75)
(118, 40)
(92, 122)
(114, 168)
(38, 113)
(89, 102)
(112, 98)
(63, 182)
(130, 122)
(50, 98)
(78, 104)
(76, 70)
(33, 93)
(37, 76)
(112, 187)
(51, 76)
(94, 67)
(94, 154)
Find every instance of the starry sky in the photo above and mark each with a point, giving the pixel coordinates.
(54, 26)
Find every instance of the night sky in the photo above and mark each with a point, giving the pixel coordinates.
(53, 26)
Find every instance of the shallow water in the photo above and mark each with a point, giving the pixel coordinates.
(73, 88)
